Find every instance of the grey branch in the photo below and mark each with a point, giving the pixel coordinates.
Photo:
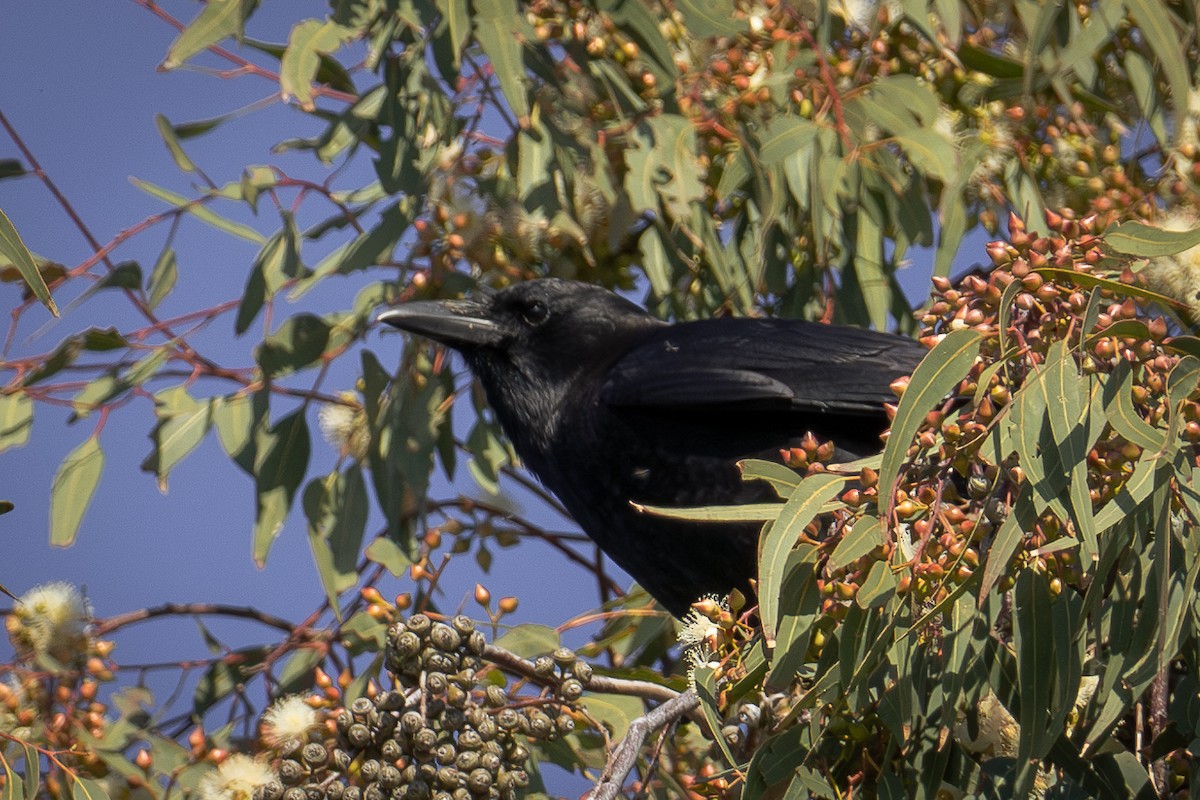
(624, 755)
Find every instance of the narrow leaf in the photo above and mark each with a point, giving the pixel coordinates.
(13, 249)
(72, 490)
(937, 374)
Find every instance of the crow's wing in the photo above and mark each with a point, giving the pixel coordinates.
(761, 364)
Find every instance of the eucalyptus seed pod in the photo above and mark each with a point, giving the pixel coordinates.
(491, 762)
(391, 750)
(469, 740)
(334, 790)
(444, 637)
(411, 722)
(479, 781)
(495, 697)
(571, 689)
(419, 624)
(369, 770)
(467, 760)
(314, 792)
(457, 697)
(314, 754)
(361, 708)
(489, 729)
(407, 644)
(582, 672)
(341, 759)
(543, 666)
(291, 772)
(445, 753)
(517, 753)
(564, 724)
(750, 714)
(540, 725)
(389, 777)
(453, 719)
(425, 740)
(392, 700)
(436, 682)
(352, 793)
(507, 718)
(295, 793)
(373, 791)
(448, 777)
(358, 735)
(272, 790)
(463, 624)
(564, 657)
(476, 643)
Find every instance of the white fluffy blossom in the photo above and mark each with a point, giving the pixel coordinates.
(51, 619)
(288, 718)
(235, 779)
(1178, 276)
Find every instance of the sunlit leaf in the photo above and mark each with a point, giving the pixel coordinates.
(15, 251)
(74, 485)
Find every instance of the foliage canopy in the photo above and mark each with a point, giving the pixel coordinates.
(1004, 602)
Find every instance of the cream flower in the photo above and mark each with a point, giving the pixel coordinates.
(51, 619)
(1178, 276)
(288, 718)
(235, 779)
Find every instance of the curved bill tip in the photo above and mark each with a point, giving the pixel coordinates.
(455, 323)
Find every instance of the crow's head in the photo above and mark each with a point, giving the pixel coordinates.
(531, 344)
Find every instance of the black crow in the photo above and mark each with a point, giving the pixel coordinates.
(609, 406)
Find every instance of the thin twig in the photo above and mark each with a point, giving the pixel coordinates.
(623, 758)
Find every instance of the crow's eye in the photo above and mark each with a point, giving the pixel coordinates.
(535, 313)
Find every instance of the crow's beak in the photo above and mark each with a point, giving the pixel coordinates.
(461, 324)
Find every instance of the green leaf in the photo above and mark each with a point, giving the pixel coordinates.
(709, 17)
(237, 417)
(386, 553)
(336, 507)
(704, 679)
(782, 479)
(1021, 517)
(500, 28)
(33, 771)
(1118, 408)
(201, 212)
(783, 137)
(458, 16)
(216, 21)
(162, 277)
(1068, 410)
(749, 512)
(74, 484)
(615, 711)
(298, 344)
(13, 249)
(11, 168)
(1146, 241)
(87, 789)
(183, 422)
(1155, 21)
(16, 420)
(865, 535)
(302, 58)
(777, 542)
(937, 374)
(280, 464)
(530, 640)
(930, 153)
(167, 132)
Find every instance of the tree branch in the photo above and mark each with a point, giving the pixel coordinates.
(623, 757)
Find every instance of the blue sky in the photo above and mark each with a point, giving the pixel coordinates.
(81, 88)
